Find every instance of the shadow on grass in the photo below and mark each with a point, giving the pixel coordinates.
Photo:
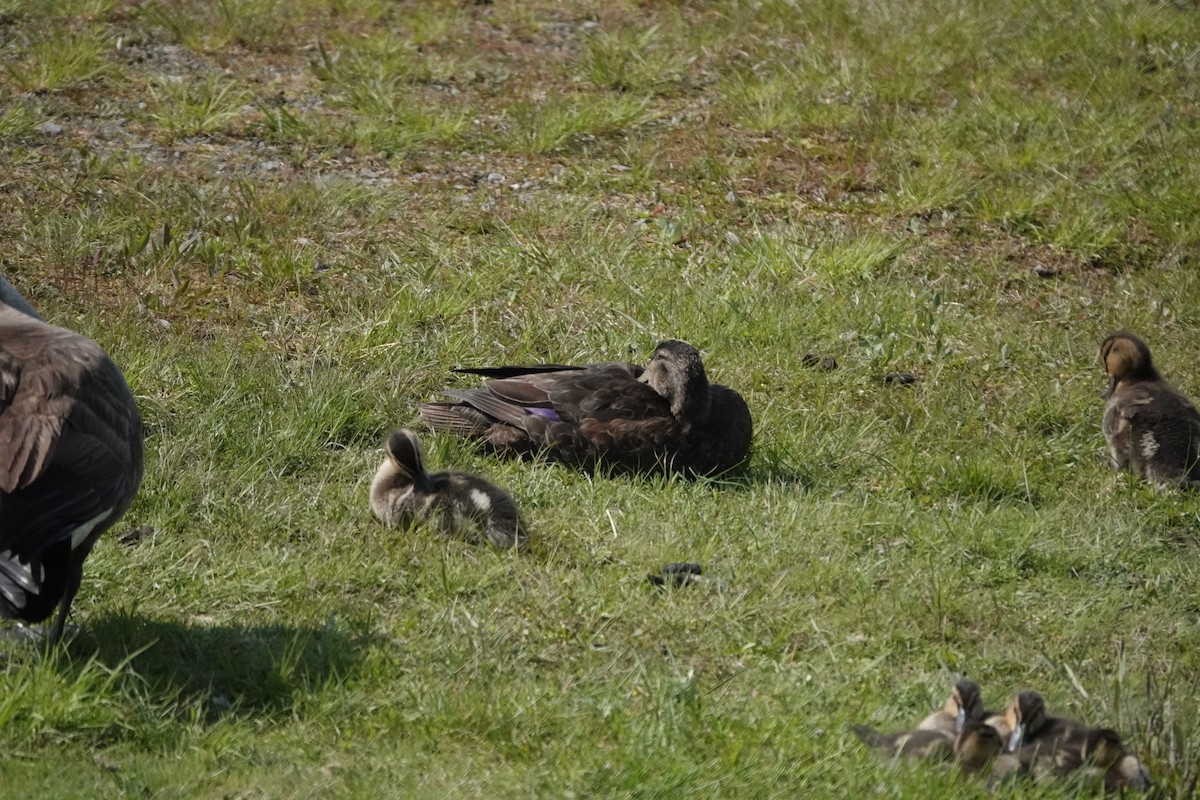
(223, 669)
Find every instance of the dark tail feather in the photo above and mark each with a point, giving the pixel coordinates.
(515, 371)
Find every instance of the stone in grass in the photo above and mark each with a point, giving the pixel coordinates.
(900, 378)
(678, 573)
(817, 361)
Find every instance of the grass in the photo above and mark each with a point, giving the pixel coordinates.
(288, 221)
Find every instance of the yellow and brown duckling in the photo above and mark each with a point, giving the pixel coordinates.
(977, 746)
(915, 745)
(1040, 746)
(1150, 426)
(404, 492)
(665, 417)
(950, 732)
(974, 747)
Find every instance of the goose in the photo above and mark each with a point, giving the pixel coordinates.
(664, 418)
(1151, 427)
(70, 459)
(403, 492)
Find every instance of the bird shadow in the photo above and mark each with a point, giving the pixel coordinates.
(222, 670)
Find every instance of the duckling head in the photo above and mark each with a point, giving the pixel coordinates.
(1025, 714)
(676, 372)
(965, 703)
(1126, 357)
(408, 458)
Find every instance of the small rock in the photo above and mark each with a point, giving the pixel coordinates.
(900, 378)
(269, 166)
(621, 168)
(495, 177)
(50, 128)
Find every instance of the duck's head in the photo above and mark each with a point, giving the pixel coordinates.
(1126, 357)
(676, 372)
(405, 452)
(965, 703)
(977, 745)
(1026, 714)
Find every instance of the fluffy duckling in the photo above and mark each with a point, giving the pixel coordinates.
(974, 747)
(664, 418)
(403, 492)
(1150, 426)
(977, 746)
(916, 745)
(1091, 755)
(70, 459)
(964, 704)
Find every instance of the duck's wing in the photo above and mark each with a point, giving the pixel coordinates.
(600, 393)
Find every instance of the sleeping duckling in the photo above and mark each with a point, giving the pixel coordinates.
(964, 704)
(1150, 426)
(403, 491)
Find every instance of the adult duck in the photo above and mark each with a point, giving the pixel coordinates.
(664, 418)
(1150, 426)
(404, 492)
(70, 459)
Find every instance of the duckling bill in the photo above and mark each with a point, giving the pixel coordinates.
(665, 418)
(404, 492)
(1151, 428)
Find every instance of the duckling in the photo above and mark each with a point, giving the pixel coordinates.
(973, 748)
(71, 456)
(964, 704)
(1024, 714)
(1150, 426)
(665, 418)
(403, 491)
(915, 745)
(1092, 756)
(977, 746)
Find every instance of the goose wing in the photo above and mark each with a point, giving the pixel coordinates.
(70, 447)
